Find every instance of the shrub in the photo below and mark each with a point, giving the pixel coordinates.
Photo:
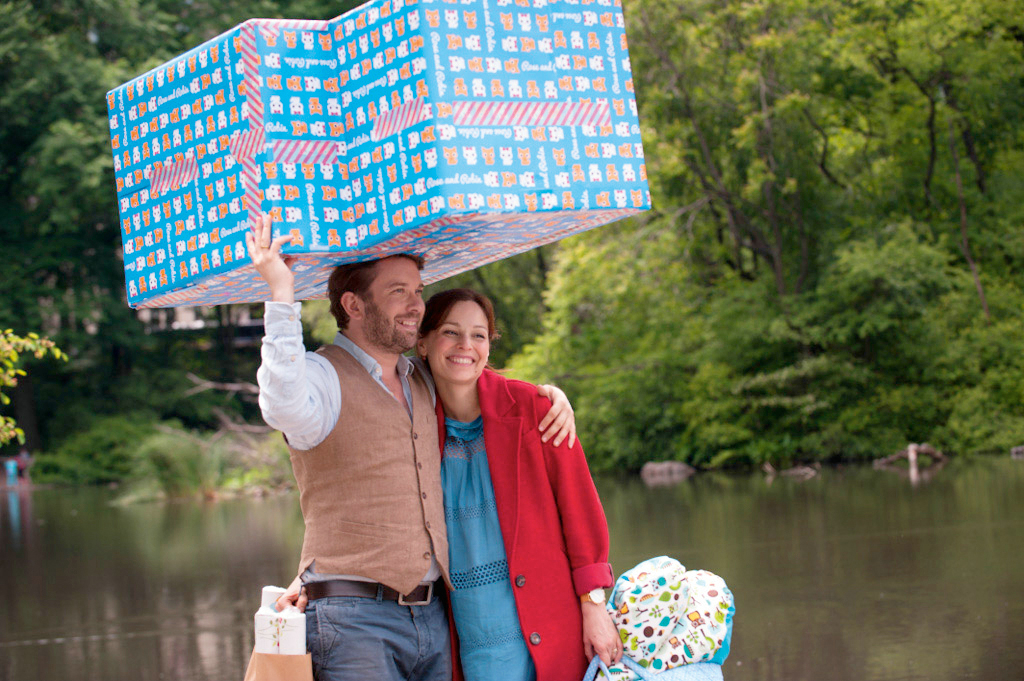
(101, 454)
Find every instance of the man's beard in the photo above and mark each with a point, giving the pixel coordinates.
(383, 332)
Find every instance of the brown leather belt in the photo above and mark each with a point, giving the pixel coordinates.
(421, 595)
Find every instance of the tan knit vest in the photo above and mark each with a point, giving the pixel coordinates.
(371, 492)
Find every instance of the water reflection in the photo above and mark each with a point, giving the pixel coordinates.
(19, 514)
(14, 517)
(852, 574)
(149, 591)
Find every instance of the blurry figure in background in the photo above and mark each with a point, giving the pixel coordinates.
(527, 536)
(11, 471)
(360, 425)
(24, 463)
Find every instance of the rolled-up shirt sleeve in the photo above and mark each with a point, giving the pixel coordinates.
(299, 391)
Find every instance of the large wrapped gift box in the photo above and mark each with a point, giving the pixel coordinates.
(463, 132)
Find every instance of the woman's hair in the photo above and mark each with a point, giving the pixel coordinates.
(441, 303)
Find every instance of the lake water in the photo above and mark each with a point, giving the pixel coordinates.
(854, 574)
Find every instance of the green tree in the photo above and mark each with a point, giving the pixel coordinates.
(12, 349)
(63, 270)
(830, 270)
(833, 238)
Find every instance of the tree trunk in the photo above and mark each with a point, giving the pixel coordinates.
(965, 246)
(225, 340)
(542, 267)
(929, 199)
(769, 190)
(24, 401)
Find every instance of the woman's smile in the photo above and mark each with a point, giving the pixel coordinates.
(458, 349)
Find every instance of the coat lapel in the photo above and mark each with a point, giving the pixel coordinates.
(502, 433)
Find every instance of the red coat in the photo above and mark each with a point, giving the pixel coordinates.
(552, 524)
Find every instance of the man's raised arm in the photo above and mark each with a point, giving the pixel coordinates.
(299, 393)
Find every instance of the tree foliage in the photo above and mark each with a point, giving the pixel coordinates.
(830, 271)
(62, 271)
(831, 268)
(12, 349)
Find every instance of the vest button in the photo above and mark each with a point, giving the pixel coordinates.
(535, 638)
(427, 524)
(520, 580)
(419, 464)
(426, 556)
(424, 495)
(415, 436)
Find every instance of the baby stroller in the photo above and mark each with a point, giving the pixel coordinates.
(675, 624)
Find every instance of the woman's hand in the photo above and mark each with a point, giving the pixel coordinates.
(599, 634)
(293, 595)
(560, 421)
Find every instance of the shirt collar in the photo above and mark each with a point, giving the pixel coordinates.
(371, 365)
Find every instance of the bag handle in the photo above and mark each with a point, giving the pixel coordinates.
(597, 665)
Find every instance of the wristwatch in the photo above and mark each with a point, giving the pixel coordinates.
(595, 596)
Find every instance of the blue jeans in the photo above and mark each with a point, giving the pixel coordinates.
(364, 639)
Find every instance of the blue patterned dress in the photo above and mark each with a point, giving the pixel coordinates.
(490, 641)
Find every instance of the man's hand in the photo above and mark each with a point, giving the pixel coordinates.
(599, 634)
(266, 256)
(293, 595)
(560, 421)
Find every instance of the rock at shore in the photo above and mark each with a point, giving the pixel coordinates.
(657, 473)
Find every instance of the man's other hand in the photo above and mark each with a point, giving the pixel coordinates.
(560, 421)
(293, 595)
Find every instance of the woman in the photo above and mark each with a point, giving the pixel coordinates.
(528, 540)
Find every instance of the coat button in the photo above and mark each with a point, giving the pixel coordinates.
(426, 555)
(535, 638)
(520, 580)
(424, 495)
(415, 436)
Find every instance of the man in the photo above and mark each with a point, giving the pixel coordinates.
(360, 425)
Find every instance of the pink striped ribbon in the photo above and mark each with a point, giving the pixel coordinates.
(305, 151)
(269, 33)
(247, 144)
(173, 175)
(532, 113)
(398, 119)
(271, 29)
(245, 147)
(301, 24)
(253, 96)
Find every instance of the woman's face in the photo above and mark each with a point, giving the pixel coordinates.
(458, 349)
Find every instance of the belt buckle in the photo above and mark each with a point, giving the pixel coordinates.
(430, 595)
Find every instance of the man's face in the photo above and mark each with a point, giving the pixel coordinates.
(394, 305)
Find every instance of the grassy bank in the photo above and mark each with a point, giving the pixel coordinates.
(163, 460)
